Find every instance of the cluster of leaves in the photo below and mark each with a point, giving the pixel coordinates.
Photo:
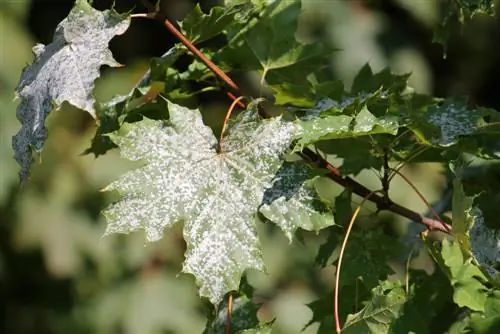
(220, 187)
(458, 12)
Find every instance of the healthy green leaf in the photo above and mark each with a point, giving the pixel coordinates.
(428, 299)
(270, 44)
(64, 70)
(198, 26)
(243, 317)
(380, 313)
(463, 218)
(342, 215)
(216, 193)
(263, 329)
(465, 278)
(489, 322)
(366, 257)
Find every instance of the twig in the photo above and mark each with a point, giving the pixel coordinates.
(228, 314)
(228, 114)
(339, 262)
(415, 189)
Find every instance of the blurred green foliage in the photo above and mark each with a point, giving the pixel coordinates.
(58, 275)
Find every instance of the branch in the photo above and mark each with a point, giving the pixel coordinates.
(307, 154)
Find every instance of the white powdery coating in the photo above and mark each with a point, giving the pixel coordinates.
(216, 194)
(64, 70)
(485, 244)
(453, 120)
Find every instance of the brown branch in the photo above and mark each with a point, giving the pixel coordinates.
(307, 154)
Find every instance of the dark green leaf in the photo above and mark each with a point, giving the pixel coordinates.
(366, 257)
(198, 26)
(379, 314)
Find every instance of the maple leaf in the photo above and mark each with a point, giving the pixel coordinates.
(64, 70)
(216, 194)
(379, 314)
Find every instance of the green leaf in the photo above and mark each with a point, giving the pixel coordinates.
(342, 215)
(367, 256)
(270, 44)
(465, 278)
(243, 316)
(483, 182)
(263, 329)
(352, 297)
(216, 193)
(198, 26)
(357, 154)
(458, 12)
(365, 81)
(64, 70)
(380, 313)
(489, 322)
(428, 298)
(463, 218)
(342, 126)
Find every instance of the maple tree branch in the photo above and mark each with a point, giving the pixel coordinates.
(345, 181)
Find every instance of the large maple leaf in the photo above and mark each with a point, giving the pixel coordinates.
(216, 192)
(64, 70)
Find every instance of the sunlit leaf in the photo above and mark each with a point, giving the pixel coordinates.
(216, 193)
(466, 278)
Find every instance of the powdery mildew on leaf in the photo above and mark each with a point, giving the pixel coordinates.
(485, 244)
(64, 70)
(216, 194)
(454, 120)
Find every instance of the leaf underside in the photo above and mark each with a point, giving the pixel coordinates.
(64, 70)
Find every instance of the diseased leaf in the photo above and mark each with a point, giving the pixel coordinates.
(343, 126)
(64, 70)
(216, 193)
(485, 244)
(380, 313)
(134, 105)
(443, 124)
